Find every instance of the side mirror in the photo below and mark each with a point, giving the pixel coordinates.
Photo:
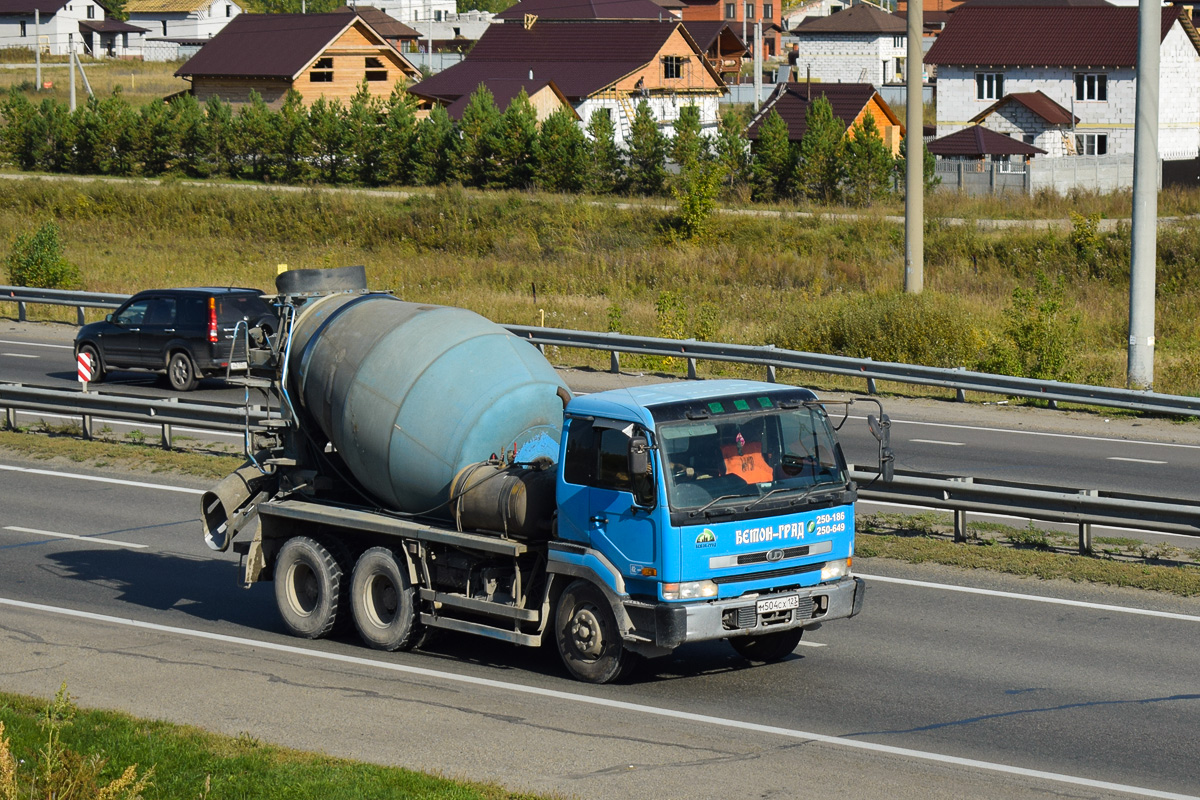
(108, 317)
(881, 429)
(641, 473)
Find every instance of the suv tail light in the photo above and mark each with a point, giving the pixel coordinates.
(212, 320)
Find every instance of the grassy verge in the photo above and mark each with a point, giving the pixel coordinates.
(58, 750)
(1031, 552)
(63, 445)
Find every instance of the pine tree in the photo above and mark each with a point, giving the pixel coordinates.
(562, 154)
(605, 166)
(294, 136)
(431, 151)
(647, 153)
(364, 121)
(477, 136)
(159, 143)
(515, 144)
(255, 137)
(193, 137)
(107, 132)
(929, 172)
(689, 146)
(56, 136)
(218, 118)
(868, 164)
(774, 159)
(17, 134)
(820, 170)
(331, 139)
(399, 136)
(733, 149)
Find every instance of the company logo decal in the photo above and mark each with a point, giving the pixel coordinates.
(812, 524)
(774, 555)
(706, 539)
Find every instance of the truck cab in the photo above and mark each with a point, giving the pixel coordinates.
(710, 510)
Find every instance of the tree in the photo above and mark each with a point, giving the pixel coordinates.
(478, 131)
(399, 136)
(17, 134)
(431, 151)
(820, 168)
(929, 172)
(868, 164)
(107, 133)
(159, 143)
(294, 138)
(689, 146)
(774, 159)
(193, 137)
(647, 153)
(562, 154)
(514, 147)
(255, 137)
(733, 149)
(696, 192)
(56, 134)
(218, 118)
(605, 167)
(364, 121)
(331, 139)
(37, 260)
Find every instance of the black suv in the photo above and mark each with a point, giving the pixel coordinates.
(189, 333)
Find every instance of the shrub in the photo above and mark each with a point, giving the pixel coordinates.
(696, 192)
(1040, 333)
(37, 260)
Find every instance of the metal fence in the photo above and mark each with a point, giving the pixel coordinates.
(772, 358)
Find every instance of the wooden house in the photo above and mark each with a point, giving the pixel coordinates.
(851, 103)
(318, 55)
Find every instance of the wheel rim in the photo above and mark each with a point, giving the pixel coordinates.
(586, 635)
(181, 371)
(382, 600)
(303, 589)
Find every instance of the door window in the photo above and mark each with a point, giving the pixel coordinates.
(133, 314)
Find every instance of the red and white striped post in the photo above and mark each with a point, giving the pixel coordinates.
(84, 368)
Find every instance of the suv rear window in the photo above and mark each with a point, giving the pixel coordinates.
(235, 307)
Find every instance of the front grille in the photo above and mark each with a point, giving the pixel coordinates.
(771, 573)
(761, 558)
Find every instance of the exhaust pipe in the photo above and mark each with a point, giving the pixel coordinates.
(222, 508)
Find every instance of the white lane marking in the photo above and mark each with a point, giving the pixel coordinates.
(127, 424)
(38, 344)
(96, 538)
(19, 355)
(986, 429)
(619, 705)
(812, 644)
(1034, 597)
(935, 441)
(992, 515)
(74, 476)
(1135, 460)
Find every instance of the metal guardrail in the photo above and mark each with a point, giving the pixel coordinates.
(163, 413)
(773, 358)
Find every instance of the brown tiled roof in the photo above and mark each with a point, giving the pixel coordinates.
(45, 7)
(977, 140)
(705, 32)
(580, 57)
(1093, 36)
(1037, 102)
(505, 91)
(1038, 3)
(109, 26)
(863, 18)
(585, 9)
(382, 23)
(791, 100)
(267, 45)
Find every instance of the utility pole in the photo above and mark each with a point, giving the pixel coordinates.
(1144, 233)
(71, 65)
(758, 64)
(37, 45)
(914, 144)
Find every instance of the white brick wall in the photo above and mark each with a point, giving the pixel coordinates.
(850, 58)
(1179, 90)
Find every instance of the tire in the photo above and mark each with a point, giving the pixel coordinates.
(384, 601)
(767, 647)
(181, 372)
(97, 364)
(586, 633)
(308, 587)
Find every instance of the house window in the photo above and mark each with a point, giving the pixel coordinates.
(1091, 86)
(322, 71)
(673, 67)
(437, 16)
(91, 11)
(989, 85)
(1028, 138)
(1091, 144)
(376, 71)
(228, 10)
(768, 10)
(164, 26)
(22, 28)
(731, 11)
(899, 41)
(749, 10)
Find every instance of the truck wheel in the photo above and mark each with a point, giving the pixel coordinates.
(384, 601)
(767, 647)
(308, 587)
(587, 635)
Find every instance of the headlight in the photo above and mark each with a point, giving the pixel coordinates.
(835, 569)
(692, 590)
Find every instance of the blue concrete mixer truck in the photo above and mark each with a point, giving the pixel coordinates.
(430, 470)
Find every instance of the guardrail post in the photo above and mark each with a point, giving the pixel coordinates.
(692, 369)
(614, 363)
(770, 373)
(20, 311)
(1085, 528)
(871, 387)
(79, 320)
(166, 428)
(1052, 405)
(960, 396)
(960, 515)
(87, 426)
(10, 418)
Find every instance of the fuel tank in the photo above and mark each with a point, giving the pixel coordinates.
(411, 394)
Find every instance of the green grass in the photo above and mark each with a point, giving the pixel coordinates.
(63, 444)
(189, 763)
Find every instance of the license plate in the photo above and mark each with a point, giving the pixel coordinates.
(778, 604)
(238, 365)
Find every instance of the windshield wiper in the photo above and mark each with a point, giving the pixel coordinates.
(807, 491)
(709, 505)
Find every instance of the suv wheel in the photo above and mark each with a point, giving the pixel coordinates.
(97, 364)
(181, 372)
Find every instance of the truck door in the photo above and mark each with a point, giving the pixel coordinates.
(597, 458)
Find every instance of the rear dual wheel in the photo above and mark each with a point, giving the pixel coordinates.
(309, 587)
(384, 601)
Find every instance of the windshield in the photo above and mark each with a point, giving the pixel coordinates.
(780, 451)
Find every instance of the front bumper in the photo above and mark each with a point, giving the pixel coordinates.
(668, 625)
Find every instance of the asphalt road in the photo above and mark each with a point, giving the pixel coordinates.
(931, 692)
